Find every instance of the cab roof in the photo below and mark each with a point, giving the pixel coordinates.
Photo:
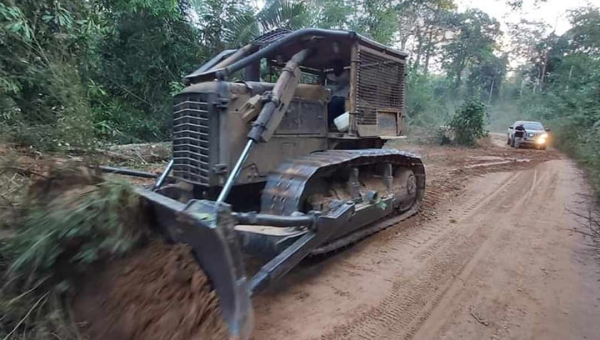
(329, 45)
(279, 46)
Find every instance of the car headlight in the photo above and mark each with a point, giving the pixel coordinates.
(542, 139)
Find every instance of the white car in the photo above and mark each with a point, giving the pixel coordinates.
(524, 133)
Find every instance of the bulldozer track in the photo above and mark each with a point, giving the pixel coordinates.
(285, 189)
(375, 227)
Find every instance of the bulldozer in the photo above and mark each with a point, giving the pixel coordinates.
(264, 165)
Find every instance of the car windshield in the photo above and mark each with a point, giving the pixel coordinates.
(533, 126)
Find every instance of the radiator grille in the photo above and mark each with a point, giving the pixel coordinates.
(380, 85)
(191, 139)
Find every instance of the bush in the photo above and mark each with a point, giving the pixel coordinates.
(468, 123)
(426, 100)
(582, 142)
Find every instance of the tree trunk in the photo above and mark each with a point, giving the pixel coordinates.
(419, 51)
(436, 18)
(428, 51)
(459, 71)
(543, 75)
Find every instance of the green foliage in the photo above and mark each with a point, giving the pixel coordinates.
(376, 19)
(73, 220)
(76, 72)
(147, 49)
(486, 76)
(246, 24)
(39, 45)
(476, 40)
(465, 46)
(332, 14)
(469, 122)
(585, 34)
(426, 102)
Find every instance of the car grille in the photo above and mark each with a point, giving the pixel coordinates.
(191, 138)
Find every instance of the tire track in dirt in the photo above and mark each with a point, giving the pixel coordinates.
(465, 210)
(406, 238)
(412, 299)
(440, 285)
(524, 273)
(413, 271)
(479, 265)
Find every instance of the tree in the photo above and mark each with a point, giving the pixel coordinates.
(111, 63)
(486, 76)
(518, 4)
(148, 47)
(474, 40)
(276, 14)
(524, 35)
(424, 24)
(217, 22)
(332, 14)
(585, 34)
(41, 43)
(376, 19)
(33, 33)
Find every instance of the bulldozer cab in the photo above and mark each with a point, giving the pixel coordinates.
(364, 79)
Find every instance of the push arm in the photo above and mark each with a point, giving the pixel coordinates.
(271, 114)
(279, 99)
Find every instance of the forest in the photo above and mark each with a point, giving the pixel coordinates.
(85, 73)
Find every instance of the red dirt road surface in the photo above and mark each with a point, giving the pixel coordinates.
(493, 255)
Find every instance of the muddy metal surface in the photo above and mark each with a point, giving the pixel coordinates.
(493, 255)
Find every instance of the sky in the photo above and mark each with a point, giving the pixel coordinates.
(552, 11)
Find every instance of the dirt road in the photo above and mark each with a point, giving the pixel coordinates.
(492, 256)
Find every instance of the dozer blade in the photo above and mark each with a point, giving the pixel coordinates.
(208, 228)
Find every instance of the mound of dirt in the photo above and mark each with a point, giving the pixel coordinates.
(74, 228)
(157, 293)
